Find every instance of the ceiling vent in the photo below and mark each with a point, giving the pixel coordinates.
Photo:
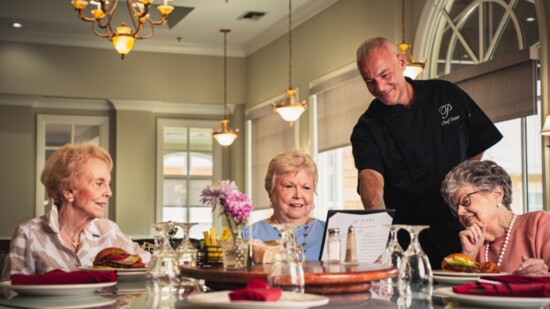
(255, 16)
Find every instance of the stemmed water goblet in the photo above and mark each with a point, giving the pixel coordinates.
(186, 253)
(162, 274)
(287, 271)
(415, 274)
(393, 254)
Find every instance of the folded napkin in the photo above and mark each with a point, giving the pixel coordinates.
(512, 286)
(58, 276)
(256, 290)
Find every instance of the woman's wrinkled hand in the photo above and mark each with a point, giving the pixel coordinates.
(472, 238)
(532, 267)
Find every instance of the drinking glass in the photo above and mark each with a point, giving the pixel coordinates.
(162, 274)
(415, 274)
(186, 253)
(393, 254)
(287, 272)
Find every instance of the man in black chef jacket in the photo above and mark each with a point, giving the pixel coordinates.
(411, 135)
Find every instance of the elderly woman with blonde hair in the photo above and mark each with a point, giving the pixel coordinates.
(77, 178)
(290, 182)
(480, 194)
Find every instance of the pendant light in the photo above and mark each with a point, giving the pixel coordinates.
(225, 135)
(290, 108)
(413, 68)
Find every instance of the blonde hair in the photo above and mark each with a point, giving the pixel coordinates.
(63, 166)
(289, 161)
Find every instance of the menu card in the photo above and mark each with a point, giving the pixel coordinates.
(371, 232)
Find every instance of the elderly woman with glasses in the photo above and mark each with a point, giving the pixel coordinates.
(480, 194)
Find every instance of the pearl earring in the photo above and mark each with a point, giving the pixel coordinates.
(70, 199)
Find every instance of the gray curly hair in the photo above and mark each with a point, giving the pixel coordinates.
(485, 175)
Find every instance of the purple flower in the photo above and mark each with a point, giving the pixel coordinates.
(235, 206)
(217, 190)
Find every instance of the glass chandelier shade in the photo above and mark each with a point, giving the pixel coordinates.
(123, 37)
(225, 136)
(290, 107)
(413, 68)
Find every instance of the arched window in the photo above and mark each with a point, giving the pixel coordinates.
(455, 35)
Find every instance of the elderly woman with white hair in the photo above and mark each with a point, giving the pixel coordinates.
(290, 182)
(480, 194)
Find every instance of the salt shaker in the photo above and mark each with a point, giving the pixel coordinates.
(351, 251)
(334, 245)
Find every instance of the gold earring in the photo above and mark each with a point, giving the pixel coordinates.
(70, 199)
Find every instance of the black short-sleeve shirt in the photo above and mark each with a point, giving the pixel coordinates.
(414, 148)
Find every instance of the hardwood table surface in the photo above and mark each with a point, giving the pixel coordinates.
(320, 277)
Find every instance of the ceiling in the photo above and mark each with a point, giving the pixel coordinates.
(193, 27)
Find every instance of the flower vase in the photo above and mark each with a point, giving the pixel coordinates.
(235, 252)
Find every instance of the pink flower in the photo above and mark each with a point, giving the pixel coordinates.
(235, 206)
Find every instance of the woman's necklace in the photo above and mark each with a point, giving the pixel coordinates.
(74, 242)
(306, 227)
(506, 239)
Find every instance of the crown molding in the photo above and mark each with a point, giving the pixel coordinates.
(171, 108)
(55, 103)
(120, 105)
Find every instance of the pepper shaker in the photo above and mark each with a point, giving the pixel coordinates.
(351, 251)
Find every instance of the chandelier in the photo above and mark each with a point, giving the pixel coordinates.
(123, 37)
(413, 68)
(225, 135)
(290, 108)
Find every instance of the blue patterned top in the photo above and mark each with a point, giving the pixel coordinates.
(310, 234)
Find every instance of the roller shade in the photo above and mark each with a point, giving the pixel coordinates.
(340, 102)
(269, 135)
(505, 87)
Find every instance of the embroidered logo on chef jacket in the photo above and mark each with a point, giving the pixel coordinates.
(445, 110)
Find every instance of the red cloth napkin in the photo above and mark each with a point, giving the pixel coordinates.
(58, 276)
(512, 286)
(256, 290)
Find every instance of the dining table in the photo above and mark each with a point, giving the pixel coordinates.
(131, 292)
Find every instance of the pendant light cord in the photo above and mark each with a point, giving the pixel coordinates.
(289, 44)
(225, 31)
(403, 20)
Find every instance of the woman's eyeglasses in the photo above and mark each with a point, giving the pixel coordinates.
(464, 200)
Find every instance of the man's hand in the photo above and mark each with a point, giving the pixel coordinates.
(371, 188)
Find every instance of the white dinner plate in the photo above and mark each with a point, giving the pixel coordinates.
(492, 301)
(454, 280)
(124, 274)
(439, 272)
(288, 300)
(56, 289)
(118, 270)
(67, 302)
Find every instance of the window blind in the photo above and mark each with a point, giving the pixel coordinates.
(340, 102)
(505, 87)
(269, 135)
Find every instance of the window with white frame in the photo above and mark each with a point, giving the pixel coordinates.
(54, 131)
(187, 161)
(468, 33)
